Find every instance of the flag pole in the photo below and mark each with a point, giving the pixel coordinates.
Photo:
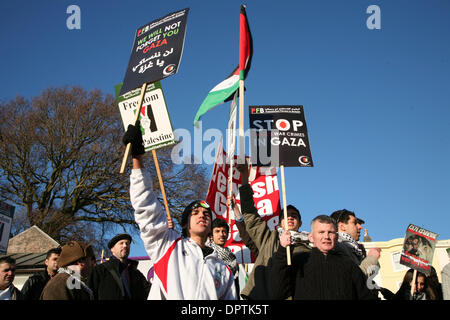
(136, 117)
(231, 134)
(241, 158)
(288, 251)
(241, 123)
(230, 187)
(161, 183)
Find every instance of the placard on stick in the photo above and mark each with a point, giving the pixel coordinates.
(156, 127)
(418, 249)
(157, 50)
(280, 136)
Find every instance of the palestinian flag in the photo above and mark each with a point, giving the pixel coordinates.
(223, 91)
(245, 45)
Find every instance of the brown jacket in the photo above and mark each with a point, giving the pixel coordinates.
(58, 288)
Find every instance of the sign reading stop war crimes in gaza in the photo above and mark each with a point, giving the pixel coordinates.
(157, 50)
(279, 136)
(156, 126)
(418, 249)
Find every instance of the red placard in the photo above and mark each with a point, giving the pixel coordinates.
(264, 183)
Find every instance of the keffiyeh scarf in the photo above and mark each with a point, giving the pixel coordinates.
(348, 240)
(226, 255)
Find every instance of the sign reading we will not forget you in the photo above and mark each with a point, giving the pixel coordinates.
(157, 50)
(279, 136)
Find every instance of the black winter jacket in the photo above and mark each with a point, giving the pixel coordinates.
(315, 276)
(33, 287)
(106, 284)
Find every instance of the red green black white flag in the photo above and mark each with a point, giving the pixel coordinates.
(222, 92)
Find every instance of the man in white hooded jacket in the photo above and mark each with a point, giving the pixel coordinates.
(184, 268)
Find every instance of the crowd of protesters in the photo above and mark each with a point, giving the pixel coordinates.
(327, 263)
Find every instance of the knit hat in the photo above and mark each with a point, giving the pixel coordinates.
(292, 212)
(74, 251)
(187, 211)
(117, 238)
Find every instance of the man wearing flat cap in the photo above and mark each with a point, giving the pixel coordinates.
(75, 264)
(119, 278)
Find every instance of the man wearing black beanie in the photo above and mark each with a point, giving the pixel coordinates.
(119, 278)
(184, 267)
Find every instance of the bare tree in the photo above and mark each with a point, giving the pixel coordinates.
(59, 160)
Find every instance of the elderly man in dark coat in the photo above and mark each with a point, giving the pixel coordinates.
(119, 278)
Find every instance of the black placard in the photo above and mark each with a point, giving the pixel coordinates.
(157, 50)
(279, 136)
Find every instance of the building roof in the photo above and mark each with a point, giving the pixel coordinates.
(26, 262)
(32, 240)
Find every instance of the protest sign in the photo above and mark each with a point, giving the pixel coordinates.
(157, 50)
(418, 249)
(6, 217)
(280, 136)
(156, 126)
(264, 183)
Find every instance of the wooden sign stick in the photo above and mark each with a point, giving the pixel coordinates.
(413, 284)
(288, 251)
(161, 184)
(138, 111)
(155, 159)
(241, 159)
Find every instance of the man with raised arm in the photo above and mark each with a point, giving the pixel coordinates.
(185, 268)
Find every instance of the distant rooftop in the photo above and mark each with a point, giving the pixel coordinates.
(32, 240)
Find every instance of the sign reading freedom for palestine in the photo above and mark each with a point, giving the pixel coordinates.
(156, 126)
(279, 136)
(157, 50)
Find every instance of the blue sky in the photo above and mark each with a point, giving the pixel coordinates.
(377, 102)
